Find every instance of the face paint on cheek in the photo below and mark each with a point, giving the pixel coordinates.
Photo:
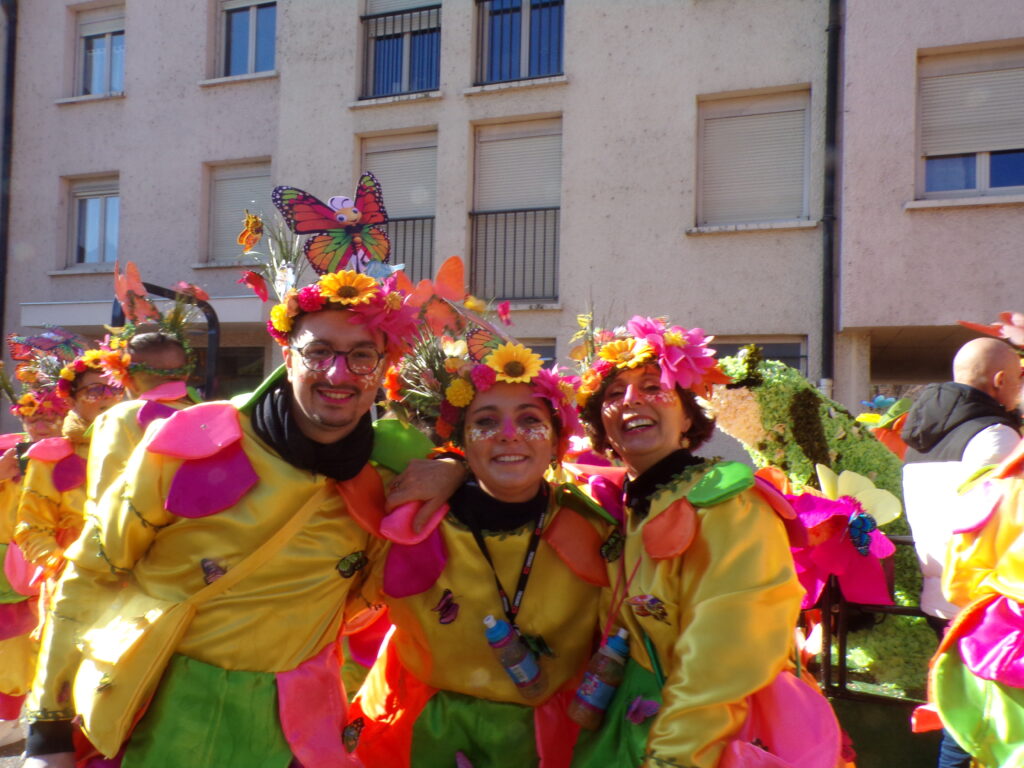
(535, 432)
(661, 397)
(479, 434)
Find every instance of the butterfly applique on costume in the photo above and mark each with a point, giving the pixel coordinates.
(446, 608)
(349, 565)
(649, 605)
(345, 233)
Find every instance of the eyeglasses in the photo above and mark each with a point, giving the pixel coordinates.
(320, 357)
(96, 392)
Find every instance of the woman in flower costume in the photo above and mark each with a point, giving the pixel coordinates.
(50, 515)
(513, 546)
(706, 584)
(41, 412)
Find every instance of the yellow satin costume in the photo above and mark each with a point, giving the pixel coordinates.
(437, 690)
(17, 653)
(710, 597)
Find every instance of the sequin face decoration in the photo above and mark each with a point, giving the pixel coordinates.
(509, 441)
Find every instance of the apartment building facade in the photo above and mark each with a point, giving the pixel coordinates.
(650, 156)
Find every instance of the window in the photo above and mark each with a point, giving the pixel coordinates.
(406, 167)
(789, 352)
(518, 39)
(517, 198)
(239, 370)
(100, 52)
(972, 124)
(753, 158)
(95, 208)
(234, 188)
(401, 47)
(249, 32)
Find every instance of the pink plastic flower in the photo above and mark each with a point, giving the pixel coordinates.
(505, 312)
(310, 299)
(548, 385)
(483, 377)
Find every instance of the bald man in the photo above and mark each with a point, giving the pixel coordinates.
(953, 430)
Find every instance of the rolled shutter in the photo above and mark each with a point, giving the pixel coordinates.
(972, 112)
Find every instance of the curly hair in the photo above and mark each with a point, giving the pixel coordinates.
(701, 428)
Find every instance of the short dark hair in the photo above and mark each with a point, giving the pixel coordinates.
(156, 342)
(701, 428)
(159, 346)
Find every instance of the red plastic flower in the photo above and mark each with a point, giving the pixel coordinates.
(255, 281)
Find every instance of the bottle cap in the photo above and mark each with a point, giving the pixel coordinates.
(619, 643)
(497, 629)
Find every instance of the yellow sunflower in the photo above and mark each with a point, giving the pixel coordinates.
(348, 287)
(514, 363)
(627, 353)
(460, 393)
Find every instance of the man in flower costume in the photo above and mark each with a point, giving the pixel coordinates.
(255, 679)
(706, 584)
(41, 412)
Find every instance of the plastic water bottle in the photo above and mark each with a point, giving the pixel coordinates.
(512, 653)
(603, 675)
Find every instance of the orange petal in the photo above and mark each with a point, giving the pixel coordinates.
(578, 543)
(670, 533)
(364, 499)
(450, 282)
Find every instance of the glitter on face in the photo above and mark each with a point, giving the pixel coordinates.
(662, 397)
(531, 432)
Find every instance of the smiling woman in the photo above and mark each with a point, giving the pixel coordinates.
(514, 548)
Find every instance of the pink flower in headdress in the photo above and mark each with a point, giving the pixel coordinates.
(684, 355)
(280, 338)
(449, 412)
(557, 391)
(483, 377)
(390, 313)
(310, 299)
(505, 312)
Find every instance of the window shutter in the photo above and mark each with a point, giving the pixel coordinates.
(231, 195)
(100, 22)
(519, 171)
(972, 112)
(408, 179)
(374, 7)
(752, 168)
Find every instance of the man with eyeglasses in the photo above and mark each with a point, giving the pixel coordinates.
(256, 678)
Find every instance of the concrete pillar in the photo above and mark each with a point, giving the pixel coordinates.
(853, 369)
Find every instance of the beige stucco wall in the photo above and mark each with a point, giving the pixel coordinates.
(916, 267)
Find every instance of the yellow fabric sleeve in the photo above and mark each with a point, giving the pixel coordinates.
(46, 516)
(10, 495)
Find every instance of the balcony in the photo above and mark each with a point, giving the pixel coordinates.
(518, 40)
(412, 244)
(515, 254)
(401, 52)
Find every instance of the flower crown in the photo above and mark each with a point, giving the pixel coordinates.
(683, 355)
(113, 363)
(438, 380)
(39, 401)
(380, 306)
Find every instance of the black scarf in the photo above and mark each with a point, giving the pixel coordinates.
(475, 508)
(341, 460)
(641, 489)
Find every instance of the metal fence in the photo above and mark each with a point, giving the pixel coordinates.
(401, 52)
(412, 244)
(515, 254)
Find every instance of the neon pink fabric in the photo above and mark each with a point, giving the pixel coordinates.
(209, 485)
(993, 649)
(17, 619)
(69, 473)
(313, 707)
(23, 577)
(10, 440)
(152, 411)
(397, 526)
(198, 432)
(169, 390)
(794, 722)
(410, 570)
(51, 449)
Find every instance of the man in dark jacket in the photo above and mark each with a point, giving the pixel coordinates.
(953, 430)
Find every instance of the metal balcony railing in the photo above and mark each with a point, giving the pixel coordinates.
(515, 254)
(412, 244)
(518, 39)
(401, 52)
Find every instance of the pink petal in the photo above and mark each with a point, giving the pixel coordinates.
(198, 432)
(209, 485)
(169, 390)
(17, 618)
(880, 545)
(397, 526)
(152, 411)
(864, 582)
(51, 449)
(69, 473)
(410, 570)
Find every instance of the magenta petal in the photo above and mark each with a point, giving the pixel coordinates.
(69, 473)
(51, 449)
(152, 411)
(880, 545)
(206, 486)
(608, 495)
(865, 582)
(17, 618)
(410, 570)
(397, 526)
(198, 432)
(169, 390)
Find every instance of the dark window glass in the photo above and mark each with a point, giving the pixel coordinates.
(425, 60)
(504, 30)
(1007, 168)
(545, 37)
(387, 62)
(788, 352)
(949, 173)
(266, 25)
(113, 212)
(236, 43)
(239, 370)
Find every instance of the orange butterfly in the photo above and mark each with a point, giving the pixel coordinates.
(252, 231)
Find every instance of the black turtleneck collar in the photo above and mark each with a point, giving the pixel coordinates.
(273, 422)
(639, 490)
(475, 508)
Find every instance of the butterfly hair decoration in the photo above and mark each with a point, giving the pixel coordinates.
(344, 233)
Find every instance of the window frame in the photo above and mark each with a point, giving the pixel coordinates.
(226, 172)
(484, 14)
(937, 64)
(105, 22)
(79, 190)
(253, 5)
(717, 106)
(417, 18)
